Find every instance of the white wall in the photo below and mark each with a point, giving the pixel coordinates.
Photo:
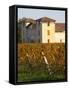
(45, 29)
(60, 36)
(44, 32)
(4, 44)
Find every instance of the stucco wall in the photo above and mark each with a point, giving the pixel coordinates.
(45, 29)
(60, 37)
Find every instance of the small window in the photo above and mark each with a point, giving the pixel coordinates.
(60, 40)
(48, 40)
(39, 40)
(48, 32)
(48, 23)
(32, 41)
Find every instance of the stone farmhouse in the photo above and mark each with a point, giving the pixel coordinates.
(43, 30)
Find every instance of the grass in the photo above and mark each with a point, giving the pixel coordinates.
(34, 68)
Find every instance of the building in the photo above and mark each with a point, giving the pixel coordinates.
(60, 32)
(43, 30)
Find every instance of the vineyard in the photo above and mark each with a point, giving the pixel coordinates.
(32, 66)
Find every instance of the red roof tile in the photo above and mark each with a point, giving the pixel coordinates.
(59, 27)
(46, 19)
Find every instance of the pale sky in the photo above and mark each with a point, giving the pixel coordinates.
(57, 15)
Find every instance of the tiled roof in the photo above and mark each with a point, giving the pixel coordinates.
(59, 27)
(43, 19)
(46, 19)
(27, 20)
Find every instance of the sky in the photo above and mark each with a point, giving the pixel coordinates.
(57, 15)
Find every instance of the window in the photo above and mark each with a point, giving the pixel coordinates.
(48, 40)
(32, 41)
(48, 32)
(60, 40)
(39, 40)
(48, 23)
